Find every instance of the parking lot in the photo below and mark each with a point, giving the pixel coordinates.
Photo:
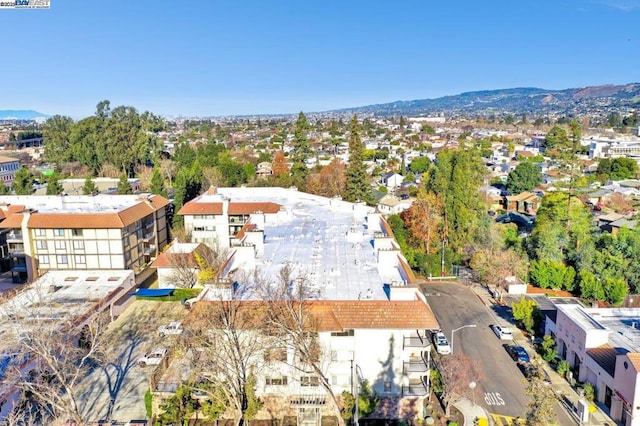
(116, 388)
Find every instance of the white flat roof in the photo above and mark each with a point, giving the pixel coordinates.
(327, 240)
(73, 203)
(61, 295)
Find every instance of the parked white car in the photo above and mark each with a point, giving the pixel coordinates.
(503, 333)
(442, 344)
(174, 327)
(153, 357)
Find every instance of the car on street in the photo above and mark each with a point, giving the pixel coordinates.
(503, 333)
(441, 343)
(174, 327)
(153, 357)
(518, 353)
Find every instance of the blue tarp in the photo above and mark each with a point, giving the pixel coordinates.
(154, 292)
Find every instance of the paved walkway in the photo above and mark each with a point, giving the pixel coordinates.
(567, 395)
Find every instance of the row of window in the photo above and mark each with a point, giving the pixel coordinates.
(57, 232)
(59, 245)
(283, 381)
(204, 228)
(62, 259)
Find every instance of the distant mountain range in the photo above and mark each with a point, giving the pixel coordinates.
(527, 100)
(20, 114)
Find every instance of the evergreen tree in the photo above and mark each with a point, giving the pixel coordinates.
(358, 188)
(301, 151)
(157, 183)
(23, 182)
(124, 187)
(89, 187)
(53, 186)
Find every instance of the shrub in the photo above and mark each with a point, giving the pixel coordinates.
(589, 391)
(563, 368)
(148, 403)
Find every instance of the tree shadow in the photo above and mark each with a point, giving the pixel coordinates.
(114, 372)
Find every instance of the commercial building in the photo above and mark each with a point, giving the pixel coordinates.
(101, 232)
(602, 347)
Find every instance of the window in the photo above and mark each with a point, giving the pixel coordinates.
(210, 228)
(39, 232)
(76, 232)
(387, 386)
(309, 381)
(198, 228)
(62, 259)
(276, 381)
(43, 259)
(79, 258)
(41, 245)
(344, 333)
(58, 232)
(78, 245)
(60, 245)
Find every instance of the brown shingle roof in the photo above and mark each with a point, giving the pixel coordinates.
(634, 357)
(605, 357)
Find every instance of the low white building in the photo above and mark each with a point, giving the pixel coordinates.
(602, 346)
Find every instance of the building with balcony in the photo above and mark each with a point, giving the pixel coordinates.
(101, 232)
(385, 342)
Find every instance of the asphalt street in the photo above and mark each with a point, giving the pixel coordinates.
(501, 388)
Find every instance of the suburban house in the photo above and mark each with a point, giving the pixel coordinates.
(390, 204)
(525, 202)
(392, 180)
(83, 232)
(602, 346)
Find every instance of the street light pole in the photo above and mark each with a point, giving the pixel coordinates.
(460, 328)
(442, 271)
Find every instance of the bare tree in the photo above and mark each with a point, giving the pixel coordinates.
(58, 354)
(197, 267)
(542, 399)
(289, 317)
(168, 170)
(495, 267)
(227, 349)
(457, 372)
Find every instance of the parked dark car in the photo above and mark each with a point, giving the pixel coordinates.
(518, 353)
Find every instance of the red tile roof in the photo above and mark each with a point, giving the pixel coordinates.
(339, 315)
(249, 207)
(12, 221)
(193, 208)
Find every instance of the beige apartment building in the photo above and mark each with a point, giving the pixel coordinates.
(102, 232)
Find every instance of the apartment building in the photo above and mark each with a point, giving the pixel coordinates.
(8, 168)
(382, 341)
(602, 346)
(99, 232)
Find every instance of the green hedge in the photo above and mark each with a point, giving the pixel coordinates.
(178, 295)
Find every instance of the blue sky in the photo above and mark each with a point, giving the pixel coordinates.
(260, 57)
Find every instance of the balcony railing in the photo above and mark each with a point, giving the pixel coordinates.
(416, 341)
(415, 365)
(149, 250)
(14, 237)
(415, 388)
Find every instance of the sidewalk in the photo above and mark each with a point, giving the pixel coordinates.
(567, 395)
(471, 412)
